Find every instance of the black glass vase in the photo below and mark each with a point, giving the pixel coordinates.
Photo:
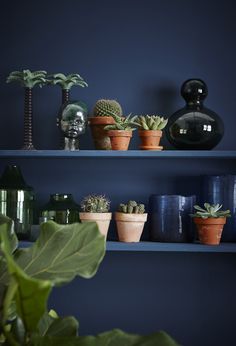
(194, 127)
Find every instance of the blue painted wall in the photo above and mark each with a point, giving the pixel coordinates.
(138, 52)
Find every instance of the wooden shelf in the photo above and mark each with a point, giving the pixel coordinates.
(185, 154)
(161, 247)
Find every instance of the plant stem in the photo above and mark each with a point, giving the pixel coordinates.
(28, 120)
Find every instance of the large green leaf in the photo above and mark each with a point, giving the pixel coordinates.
(113, 338)
(30, 295)
(62, 252)
(53, 325)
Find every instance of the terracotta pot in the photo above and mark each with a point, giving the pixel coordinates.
(100, 137)
(130, 226)
(150, 139)
(119, 139)
(210, 229)
(102, 220)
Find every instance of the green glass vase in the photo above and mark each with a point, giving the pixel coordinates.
(61, 208)
(16, 201)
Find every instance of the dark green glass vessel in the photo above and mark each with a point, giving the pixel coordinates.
(61, 209)
(16, 201)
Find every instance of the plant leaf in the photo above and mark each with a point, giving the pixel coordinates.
(115, 337)
(30, 294)
(63, 251)
(67, 326)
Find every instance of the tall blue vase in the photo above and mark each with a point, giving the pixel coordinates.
(169, 218)
(222, 189)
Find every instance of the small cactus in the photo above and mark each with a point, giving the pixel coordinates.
(95, 204)
(211, 210)
(151, 122)
(131, 207)
(124, 124)
(105, 108)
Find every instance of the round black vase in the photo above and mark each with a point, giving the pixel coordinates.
(194, 127)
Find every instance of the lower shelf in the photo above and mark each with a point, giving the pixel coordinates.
(146, 246)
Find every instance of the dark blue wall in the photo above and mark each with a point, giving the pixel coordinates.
(138, 52)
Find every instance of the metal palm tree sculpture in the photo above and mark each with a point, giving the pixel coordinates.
(28, 80)
(66, 83)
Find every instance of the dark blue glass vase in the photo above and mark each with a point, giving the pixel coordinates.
(169, 218)
(194, 127)
(222, 189)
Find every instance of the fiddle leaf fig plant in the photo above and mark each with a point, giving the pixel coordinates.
(34, 271)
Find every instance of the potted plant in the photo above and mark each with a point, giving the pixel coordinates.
(210, 222)
(28, 79)
(130, 219)
(28, 276)
(103, 113)
(150, 131)
(96, 208)
(66, 83)
(121, 132)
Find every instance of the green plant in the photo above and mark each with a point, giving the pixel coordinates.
(210, 211)
(27, 78)
(27, 277)
(151, 122)
(107, 108)
(66, 82)
(95, 204)
(131, 207)
(124, 123)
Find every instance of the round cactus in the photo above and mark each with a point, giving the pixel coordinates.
(105, 108)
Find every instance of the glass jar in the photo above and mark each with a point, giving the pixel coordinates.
(61, 208)
(16, 201)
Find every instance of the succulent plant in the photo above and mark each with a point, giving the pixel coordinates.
(151, 122)
(105, 108)
(95, 204)
(67, 82)
(131, 207)
(210, 211)
(124, 123)
(27, 78)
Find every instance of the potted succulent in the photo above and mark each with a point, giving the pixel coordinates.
(121, 131)
(210, 222)
(103, 113)
(150, 131)
(28, 79)
(130, 219)
(96, 208)
(66, 83)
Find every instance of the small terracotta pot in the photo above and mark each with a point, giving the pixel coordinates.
(130, 226)
(100, 137)
(150, 139)
(102, 220)
(210, 229)
(119, 139)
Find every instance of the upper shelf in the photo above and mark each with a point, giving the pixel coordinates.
(205, 154)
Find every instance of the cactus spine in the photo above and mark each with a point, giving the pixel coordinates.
(95, 204)
(105, 108)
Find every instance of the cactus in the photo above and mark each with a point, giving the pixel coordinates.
(210, 211)
(107, 108)
(151, 122)
(124, 124)
(95, 204)
(131, 207)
